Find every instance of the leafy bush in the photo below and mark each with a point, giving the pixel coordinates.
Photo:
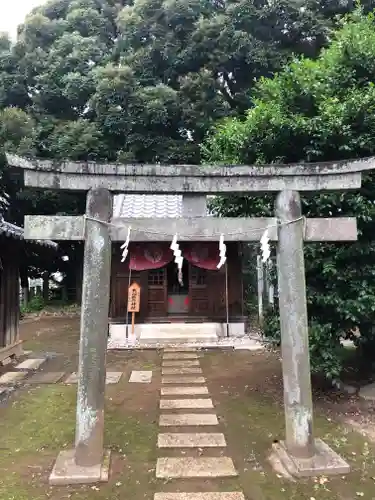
(318, 110)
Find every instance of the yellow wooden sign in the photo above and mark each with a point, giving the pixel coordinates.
(134, 298)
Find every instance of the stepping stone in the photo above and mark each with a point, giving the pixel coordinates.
(184, 391)
(170, 379)
(190, 467)
(181, 371)
(183, 363)
(229, 495)
(368, 392)
(196, 440)
(188, 419)
(180, 349)
(46, 378)
(186, 404)
(30, 364)
(180, 355)
(111, 378)
(141, 377)
(12, 377)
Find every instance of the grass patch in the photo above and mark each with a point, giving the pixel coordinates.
(42, 422)
(248, 396)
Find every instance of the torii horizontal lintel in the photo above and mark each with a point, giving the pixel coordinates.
(188, 229)
(208, 179)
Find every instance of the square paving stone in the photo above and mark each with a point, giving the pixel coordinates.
(46, 378)
(180, 355)
(194, 440)
(224, 495)
(186, 404)
(182, 363)
(12, 377)
(181, 371)
(190, 467)
(30, 364)
(170, 379)
(184, 391)
(188, 419)
(141, 377)
(111, 378)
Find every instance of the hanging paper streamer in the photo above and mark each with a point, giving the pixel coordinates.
(124, 246)
(265, 246)
(177, 257)
(223, 252)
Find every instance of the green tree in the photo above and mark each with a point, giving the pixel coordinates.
(319, 110)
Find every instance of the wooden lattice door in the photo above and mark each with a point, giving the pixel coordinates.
(198, 291)
(157, 292)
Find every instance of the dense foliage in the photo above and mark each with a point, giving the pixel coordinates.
(319, 110)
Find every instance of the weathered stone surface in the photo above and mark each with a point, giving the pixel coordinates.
(294, 325)
(181, 371)
(188, 467)
(180, 349)
(188, 419)
(46, 378)
(12, 377)
(182, 380)
(111, 378)
(180, 355)
(184, 391)
(185, 404)
(183, 363)
(227, 495)
(30, 364)
(324, 462)
(93, 329)
(368, 392)
(196, 440)
(141, 377)
(66, 471)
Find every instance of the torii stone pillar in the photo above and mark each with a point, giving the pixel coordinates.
(300, 454)
(86, 463)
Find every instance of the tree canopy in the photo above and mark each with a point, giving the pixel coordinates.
(319, 110)
(145, 80)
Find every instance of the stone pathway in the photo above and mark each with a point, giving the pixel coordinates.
(181, 391)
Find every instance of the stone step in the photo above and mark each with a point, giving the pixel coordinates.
(184, 391)
(188, 419)
(186, 404)
(183, 363)
(180, 355)
(111, 378)
(179, 349)
(30, 364)
(192, 440)
(12, 377)
(171, 379)
(141, 377)
(225, 495)
(189, 467)
(181, 371)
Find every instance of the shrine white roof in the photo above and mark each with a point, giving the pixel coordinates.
(147, 206)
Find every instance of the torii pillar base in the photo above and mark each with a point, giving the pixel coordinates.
(66, 471)
(324, 462)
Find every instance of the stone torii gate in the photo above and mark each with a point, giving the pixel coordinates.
(300, 453)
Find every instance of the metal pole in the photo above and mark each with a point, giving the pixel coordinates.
(226, 296)
(127, 313)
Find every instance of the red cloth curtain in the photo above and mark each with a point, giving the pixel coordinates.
(203, 255)
(144, 256)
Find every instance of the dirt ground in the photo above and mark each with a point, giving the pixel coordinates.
(38, 421)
